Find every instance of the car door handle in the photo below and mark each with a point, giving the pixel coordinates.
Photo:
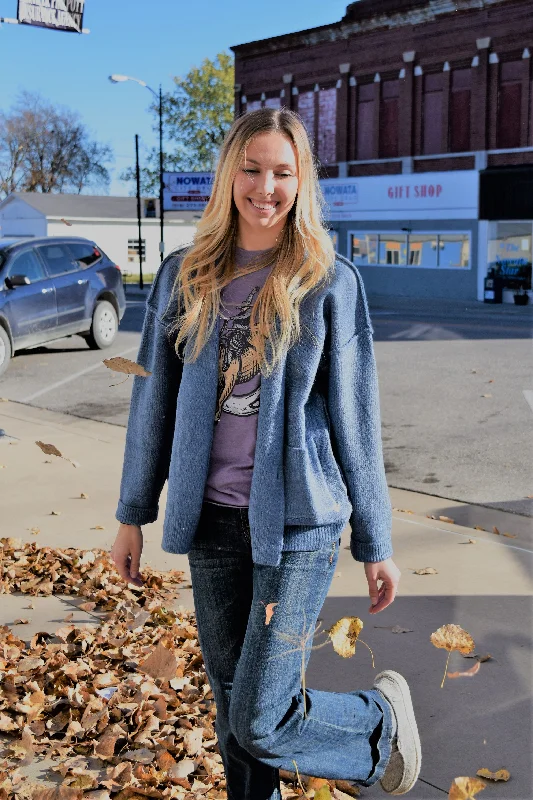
(82, 281)
(44, 291)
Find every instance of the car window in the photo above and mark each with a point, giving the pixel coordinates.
(28, 264)
(84, 253)
(57, 259)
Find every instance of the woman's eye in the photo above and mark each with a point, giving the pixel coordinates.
(285, 175)
(250, 171)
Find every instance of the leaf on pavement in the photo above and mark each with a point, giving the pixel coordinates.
(465, 788)
(49, 449)
(469, 673)
(499, 775)
(125, 365)
(344, 634)
(495, 530)
(426, 571)
(446, 519)
(470, 541)
(395, 628)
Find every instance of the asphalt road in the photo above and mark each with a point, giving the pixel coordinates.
(455, 389)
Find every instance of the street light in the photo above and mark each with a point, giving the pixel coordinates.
(121, 79)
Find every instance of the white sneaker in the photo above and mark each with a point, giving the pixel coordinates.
(405, 761)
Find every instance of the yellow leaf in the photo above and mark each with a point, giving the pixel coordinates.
(446, 519)
(343, 635)
(465, 788)
(426, 571)
(511, 535)
(323, 793)
(452, 637)
(98, 528)
(500, 775)
(269, 610)
(125, 365)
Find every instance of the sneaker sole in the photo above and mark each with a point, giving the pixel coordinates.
(396, 691)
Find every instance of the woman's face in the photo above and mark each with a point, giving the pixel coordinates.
(266, 184)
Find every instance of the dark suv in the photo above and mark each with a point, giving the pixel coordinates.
(54, 287)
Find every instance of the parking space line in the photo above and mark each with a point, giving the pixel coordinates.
(72, 377)
(528, 394)
(464, 535)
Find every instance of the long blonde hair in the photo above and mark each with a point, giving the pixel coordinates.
(303, 256)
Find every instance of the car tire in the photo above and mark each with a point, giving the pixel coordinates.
(104, 326)
(5, 350)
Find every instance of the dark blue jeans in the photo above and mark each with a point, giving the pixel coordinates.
(255, 669)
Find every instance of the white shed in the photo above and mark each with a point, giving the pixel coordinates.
(111, 222)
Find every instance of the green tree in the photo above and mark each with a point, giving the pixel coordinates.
(197, 113)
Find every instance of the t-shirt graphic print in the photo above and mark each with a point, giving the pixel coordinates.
(238, 393)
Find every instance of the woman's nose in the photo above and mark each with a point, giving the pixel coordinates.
(265, 184)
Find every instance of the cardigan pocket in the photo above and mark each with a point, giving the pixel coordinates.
(315, 493)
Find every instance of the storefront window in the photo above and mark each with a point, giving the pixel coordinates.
(426, 250)
(393, 249)
(454, 250)
(364, 249)
(423, 250)
(510, 252)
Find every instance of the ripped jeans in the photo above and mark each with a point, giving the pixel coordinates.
(255, 669)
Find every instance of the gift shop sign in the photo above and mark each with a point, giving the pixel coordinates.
(429, 195)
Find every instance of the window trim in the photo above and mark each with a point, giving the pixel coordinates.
(82, 267)
(408, 266)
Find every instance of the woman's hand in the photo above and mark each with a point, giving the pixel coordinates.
(126, 552)
(389, 574)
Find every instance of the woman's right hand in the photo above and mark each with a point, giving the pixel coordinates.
(126, 552)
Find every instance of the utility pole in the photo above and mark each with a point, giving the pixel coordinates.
(138, 176)
(161, 181)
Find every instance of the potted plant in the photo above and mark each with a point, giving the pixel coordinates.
(521, 297)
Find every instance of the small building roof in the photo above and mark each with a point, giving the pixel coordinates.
(93, 206)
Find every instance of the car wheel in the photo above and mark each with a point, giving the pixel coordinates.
(104, 327)
(5, 350)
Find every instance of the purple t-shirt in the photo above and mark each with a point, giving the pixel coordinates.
(239, 384)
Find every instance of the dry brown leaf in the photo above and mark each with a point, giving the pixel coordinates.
(125, 365)
(395, 628)
(499, 775)
(470, 541)
(66, 222)
(511, 535)
(21, 622)
(446, 519)
(98, 528)
(486, 657)
(486, 395)
(426, 571)
(84, 496)
(160, 664)
(49, 449)
(55, 513)
(465, 788)
(478, 528)
(344, 634)
(269, 610)
(495, 530)
(469, 673)
(68, 617)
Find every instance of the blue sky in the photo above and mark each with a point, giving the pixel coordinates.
(148, 39)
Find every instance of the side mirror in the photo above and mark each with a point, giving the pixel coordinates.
(17, 280)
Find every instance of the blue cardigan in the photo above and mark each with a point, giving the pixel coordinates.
(318, 460)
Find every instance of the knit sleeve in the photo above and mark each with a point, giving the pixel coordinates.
(353, 405)
(150, 425)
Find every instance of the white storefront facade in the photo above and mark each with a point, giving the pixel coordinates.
(411, 235)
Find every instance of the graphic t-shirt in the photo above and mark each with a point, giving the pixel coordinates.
(239, 384)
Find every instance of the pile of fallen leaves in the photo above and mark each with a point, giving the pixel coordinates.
(124, 706)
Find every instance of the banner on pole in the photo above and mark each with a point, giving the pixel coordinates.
(186, 191)
(62, 15)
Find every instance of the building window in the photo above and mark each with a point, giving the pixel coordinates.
(272, 102)
(133, 250)
(460, 110)
(327, 126)
(509, 104)
(426, 250)
(510, 252)
(388, 119)
(432, 114)
(365, 121)
(306, 109)
(253, 105)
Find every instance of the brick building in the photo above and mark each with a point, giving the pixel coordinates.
(421, 116)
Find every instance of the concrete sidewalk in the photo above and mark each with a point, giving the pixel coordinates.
(485, 587)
